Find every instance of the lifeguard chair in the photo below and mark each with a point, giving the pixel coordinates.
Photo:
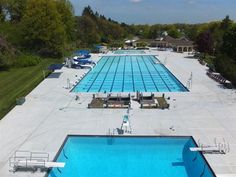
(126, 126)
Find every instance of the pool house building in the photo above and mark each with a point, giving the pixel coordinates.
(179, 45)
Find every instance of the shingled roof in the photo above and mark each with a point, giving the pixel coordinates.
(183, 41)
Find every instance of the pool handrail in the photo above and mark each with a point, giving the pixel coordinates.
(32, 160)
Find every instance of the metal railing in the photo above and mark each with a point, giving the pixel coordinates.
(27, 159)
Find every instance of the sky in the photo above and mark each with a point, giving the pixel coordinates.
(160, 11)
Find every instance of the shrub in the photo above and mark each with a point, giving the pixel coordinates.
(50, 53)
(27, 60)
(7, 53)
(226, 66)
(5, 61)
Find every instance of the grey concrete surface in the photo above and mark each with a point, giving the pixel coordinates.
(51, 112)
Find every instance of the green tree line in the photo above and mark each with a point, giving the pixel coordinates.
(49, 28)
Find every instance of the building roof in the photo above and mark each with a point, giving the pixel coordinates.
(159, 42)
(183, 41)
(180, 41)
(169, 39)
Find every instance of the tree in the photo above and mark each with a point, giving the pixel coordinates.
(7, 53)
(42, 28)
(65, 9)
(153, 32)
(3, 4)
(86, 30)
(225, 62)
(191, 31)
(16, 9)
(205, 42)
(93, 28)
(88, 12)
(142, 30)
(116, 31)
(226, 66)
(229, 43)
(174, 32)
(2, 15)
(226, 23)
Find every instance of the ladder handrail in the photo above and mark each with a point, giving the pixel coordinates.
(29, 156)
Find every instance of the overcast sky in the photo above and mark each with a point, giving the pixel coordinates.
(160, 11)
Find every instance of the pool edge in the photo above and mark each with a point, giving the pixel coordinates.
(128, 136)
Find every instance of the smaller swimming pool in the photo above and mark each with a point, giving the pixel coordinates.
(130, 156)
(129, 52)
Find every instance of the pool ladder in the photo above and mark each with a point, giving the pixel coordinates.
(203, 171)
(110, 139)
(111, 132)
(189, 82)
(64, 154)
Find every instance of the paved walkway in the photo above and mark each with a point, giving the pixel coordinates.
(51, 112)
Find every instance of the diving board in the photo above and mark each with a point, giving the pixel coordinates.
(32, 160)
(204, 149)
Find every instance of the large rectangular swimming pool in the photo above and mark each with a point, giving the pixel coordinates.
(104, 156)
(129, 74)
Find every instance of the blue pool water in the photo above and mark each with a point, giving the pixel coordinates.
(130, 157)
(129, 74)
(129, 52)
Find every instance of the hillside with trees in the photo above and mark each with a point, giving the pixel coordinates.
(94, 28)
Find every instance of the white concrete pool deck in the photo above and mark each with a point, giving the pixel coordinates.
(51, 112)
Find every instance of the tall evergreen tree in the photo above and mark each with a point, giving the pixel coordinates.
(226, 23)
(87, 11)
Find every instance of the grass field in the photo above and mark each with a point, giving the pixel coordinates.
(18, 82)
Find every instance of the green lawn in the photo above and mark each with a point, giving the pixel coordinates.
(19, 82)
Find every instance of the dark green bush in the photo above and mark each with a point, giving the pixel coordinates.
(27, 60)
(7, 53)
(50, 53)
(226, 66)
(5, 61)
